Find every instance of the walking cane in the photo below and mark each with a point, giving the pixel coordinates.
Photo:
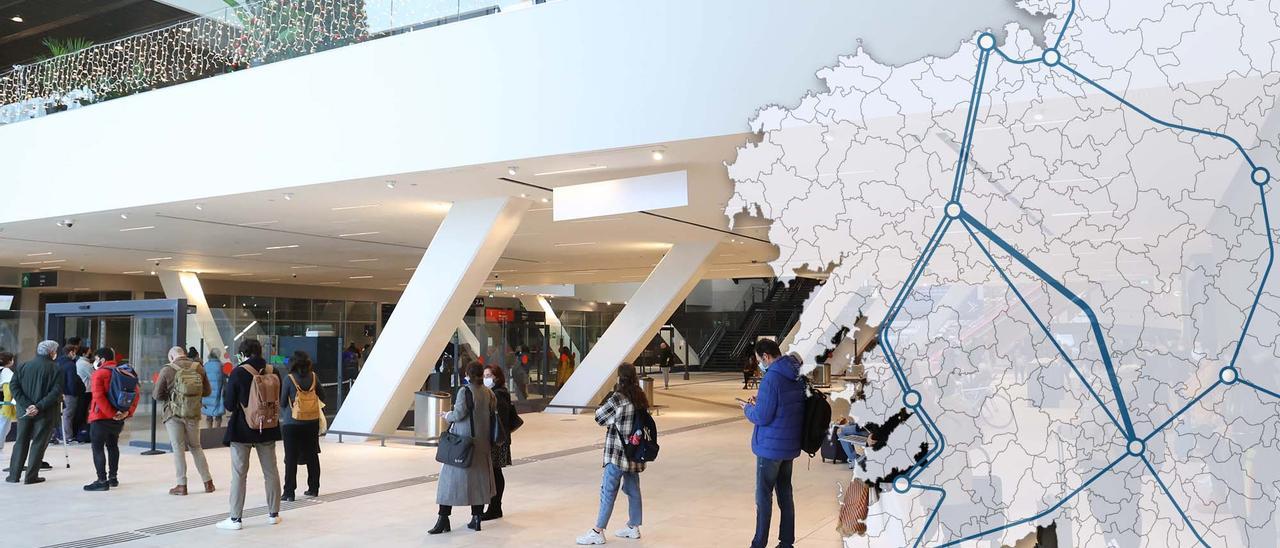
(66, 453)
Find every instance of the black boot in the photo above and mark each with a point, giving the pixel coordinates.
(475, 523)
(442, 526)
(494, 512)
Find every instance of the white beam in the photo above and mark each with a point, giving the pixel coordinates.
(650, 306)
(186, 285)
(453, 269)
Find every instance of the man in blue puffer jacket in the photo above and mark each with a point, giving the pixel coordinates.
(777, 412)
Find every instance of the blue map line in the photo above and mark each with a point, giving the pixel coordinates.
(934, 513)
(1176, 506)
(1271, 259)
(966, 141)
(972, 223)
(1065, 25)
(1184, 409)
(1259, 388)
(1046, 511)
(1172, 125)
(1043, 327)
(1088, 311)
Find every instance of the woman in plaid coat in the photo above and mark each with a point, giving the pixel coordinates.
(618, 414)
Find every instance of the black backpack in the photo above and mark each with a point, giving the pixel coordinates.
(646, 432)
(817, 419)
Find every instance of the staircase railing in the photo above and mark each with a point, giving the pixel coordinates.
(748, 334)
(704, 353)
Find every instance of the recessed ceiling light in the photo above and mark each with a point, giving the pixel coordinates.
(575, 170)
(148, 227)
(259, 223)
(50, 267)
(574, 244)
(132, 272)
(658, 155)
(239, 274)
(328, 283)
(546, 200)
(153, 273)
(200, 207)
(348, 208)
(159, 258)
(16, 19)
(124, 216)
(512, 170)
(300, 267)
(288, 196)
(359, 277)
(246, 255)
(54, 261)
(28, 263)
(40, 254)
(275, 247)
(391, 184)
(412, 268)
(361, 260)
(524, 195)
(358, 234)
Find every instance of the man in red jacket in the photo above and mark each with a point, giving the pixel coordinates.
(105, 423)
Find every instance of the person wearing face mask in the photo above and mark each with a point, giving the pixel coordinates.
(506, 413)
(777, 411)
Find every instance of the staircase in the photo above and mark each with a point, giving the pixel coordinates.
(774, 316)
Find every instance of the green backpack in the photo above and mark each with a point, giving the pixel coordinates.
(187, 391)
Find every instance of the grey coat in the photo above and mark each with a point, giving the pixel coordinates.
(475, 484)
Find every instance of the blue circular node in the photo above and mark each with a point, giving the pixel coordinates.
(1051, 57)
(1228, 375)
(902, 484)
(987, 41)
(911, 399)
(1261, 176)
(954, 209)
(1136, 447)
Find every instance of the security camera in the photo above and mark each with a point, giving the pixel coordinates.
(157, 263)
(67, 223)
(82, 269)
(295, 275)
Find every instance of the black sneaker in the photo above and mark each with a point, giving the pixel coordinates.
(113, 482)
(98, 486)
(287, 497)
(311, 493)
(45, 466)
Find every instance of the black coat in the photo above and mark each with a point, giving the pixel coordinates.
(235, 397)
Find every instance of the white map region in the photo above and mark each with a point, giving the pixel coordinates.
(1161, 231)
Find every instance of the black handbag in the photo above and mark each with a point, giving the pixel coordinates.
(456, 449)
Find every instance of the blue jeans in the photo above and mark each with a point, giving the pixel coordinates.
(854, 430)
(774, 475)
(609, 493)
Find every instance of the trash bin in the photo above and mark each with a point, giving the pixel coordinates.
(427, 423)
(646, 385)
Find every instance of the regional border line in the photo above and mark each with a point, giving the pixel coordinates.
(1136, 446)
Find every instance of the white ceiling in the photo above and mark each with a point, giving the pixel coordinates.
(364, 234)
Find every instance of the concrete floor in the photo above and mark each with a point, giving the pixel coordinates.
(699, 493)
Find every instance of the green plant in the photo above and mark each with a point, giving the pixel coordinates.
(58, 47)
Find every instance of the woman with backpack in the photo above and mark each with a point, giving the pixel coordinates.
(472, 485)
(618, 414)
(112, 388)
(179, 388)
(506, 413)
(212, 407)
(300, 408)
(253, 396)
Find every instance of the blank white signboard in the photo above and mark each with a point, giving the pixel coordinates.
(659, 191)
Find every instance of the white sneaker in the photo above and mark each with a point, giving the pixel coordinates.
(272, 520)
(230, 525)
(592, 537)
(629, 532)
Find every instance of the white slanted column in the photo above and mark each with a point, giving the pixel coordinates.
(538, 302)
(186, 285)
(462, 253)
(650, 306)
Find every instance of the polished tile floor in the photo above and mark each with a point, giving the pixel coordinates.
(699, 493)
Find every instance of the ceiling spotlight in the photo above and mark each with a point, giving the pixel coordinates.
(391, 185)
(16, 19)
(124, 216)
(153, 273)
(512, 171)
(658, 155)
(524, 195)
(288, 196)
(67, 223)
(200, 207)
(546, 200)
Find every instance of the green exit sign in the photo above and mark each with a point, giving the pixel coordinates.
(40, 279)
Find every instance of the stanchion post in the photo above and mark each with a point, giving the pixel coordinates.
(153, 450)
